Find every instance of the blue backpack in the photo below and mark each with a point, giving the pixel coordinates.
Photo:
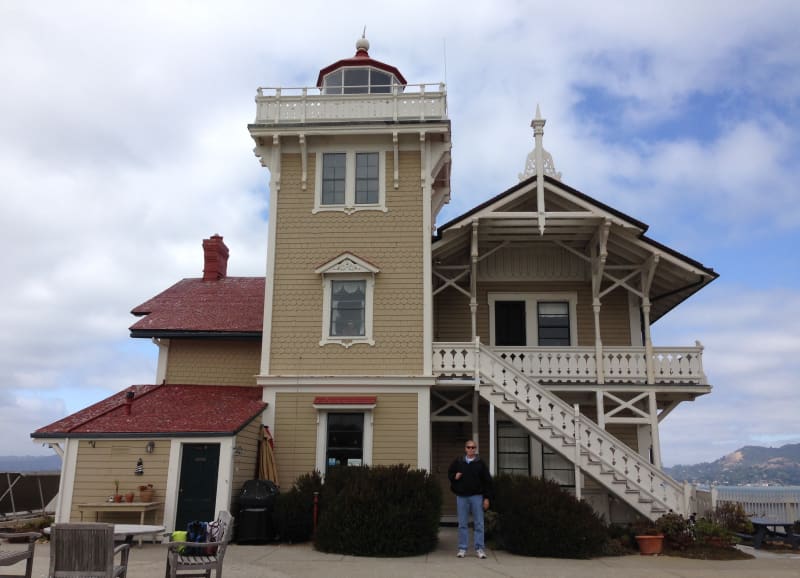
(196, 532)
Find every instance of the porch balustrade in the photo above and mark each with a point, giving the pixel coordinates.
(672, 365)
(419, 102)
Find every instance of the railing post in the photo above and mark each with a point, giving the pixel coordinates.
(277, 105)
(305, 104)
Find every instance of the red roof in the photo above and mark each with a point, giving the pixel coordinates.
(361, 58)
(346, 400)
(227, 305)
(166, 409)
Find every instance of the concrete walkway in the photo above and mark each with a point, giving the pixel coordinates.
(301, 560)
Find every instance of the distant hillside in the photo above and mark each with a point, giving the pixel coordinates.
(30, 463)
(747, 465)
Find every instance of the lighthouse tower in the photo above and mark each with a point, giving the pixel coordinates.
(359, 166)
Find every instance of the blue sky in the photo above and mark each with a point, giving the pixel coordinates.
(123, 144)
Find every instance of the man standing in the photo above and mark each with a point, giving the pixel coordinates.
(471, 482)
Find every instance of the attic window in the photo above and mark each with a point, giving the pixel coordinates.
(359, 80)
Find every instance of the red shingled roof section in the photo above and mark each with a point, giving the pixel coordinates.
(346, 400)
(231, 304)
(165, 409)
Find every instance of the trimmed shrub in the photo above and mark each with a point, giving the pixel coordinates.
(378, 511)
(732, 517)
(538, 518)
(678, 534)
(293, 516)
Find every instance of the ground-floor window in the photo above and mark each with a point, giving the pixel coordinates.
(557, 468)
(513, 449)
(345, 439)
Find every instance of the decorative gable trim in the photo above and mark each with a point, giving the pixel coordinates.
(347, 263)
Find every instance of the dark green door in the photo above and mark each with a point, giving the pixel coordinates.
(197, 493)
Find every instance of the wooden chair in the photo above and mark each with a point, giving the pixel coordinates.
(84, 549)
(201, 565)
(11, 557)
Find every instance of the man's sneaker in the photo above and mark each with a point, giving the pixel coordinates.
(481, 554)
(461, 553)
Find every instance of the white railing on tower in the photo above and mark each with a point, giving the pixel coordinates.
(421, 102)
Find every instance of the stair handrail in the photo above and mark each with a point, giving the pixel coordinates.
(622, 459)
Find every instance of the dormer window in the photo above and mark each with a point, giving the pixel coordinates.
(358, 80)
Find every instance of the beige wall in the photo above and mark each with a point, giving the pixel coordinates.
(245, 460)
(295, 436)
(395, 425)
(391, 241)
(213, 362)
(452, 316)
(98, 467)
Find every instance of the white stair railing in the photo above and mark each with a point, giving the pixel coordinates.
(602, 453)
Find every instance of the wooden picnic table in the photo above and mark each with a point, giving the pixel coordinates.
(764, 528)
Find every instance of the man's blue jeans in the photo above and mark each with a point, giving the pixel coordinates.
(465, 505)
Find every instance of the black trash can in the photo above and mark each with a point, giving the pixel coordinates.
(254, 520)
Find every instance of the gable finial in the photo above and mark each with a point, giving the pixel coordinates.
(539, 161)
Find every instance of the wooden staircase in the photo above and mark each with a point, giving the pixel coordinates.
(602, 456)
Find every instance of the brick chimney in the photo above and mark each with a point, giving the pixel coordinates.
(215, 264)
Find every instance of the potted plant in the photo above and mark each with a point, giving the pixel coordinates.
(146, 492)
(129, 497)
(649, 538)
(117, 495)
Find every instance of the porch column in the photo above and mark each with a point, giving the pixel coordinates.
(648, 343)
(492, 442)
(473, 280)
(653, 407)
(475, 435)
(598, 258)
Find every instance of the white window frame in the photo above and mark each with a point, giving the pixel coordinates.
(531, 313)
(347, 267)
(322, 431)
(350, 205)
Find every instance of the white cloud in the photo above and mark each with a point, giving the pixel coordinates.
(123, 143)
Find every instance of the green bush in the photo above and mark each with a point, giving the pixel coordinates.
(678, 534)
(378, 511)
(710, 533)
(732, 517)
(293, 515)
(537, 518)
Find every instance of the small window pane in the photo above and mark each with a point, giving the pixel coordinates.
(333, 178)
(380, 82)
(348, 305)
(333, 83)
(356, 80)
(367, 182)
(553, 322)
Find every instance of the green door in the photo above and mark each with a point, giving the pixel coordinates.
(197, 493)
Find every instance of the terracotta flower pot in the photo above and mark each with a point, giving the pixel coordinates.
(129, 497)
(146, 495)
(650, 545)
(117, 497)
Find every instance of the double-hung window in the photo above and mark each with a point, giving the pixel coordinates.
(350, 181)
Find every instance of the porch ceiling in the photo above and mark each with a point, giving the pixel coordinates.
(573, 222)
